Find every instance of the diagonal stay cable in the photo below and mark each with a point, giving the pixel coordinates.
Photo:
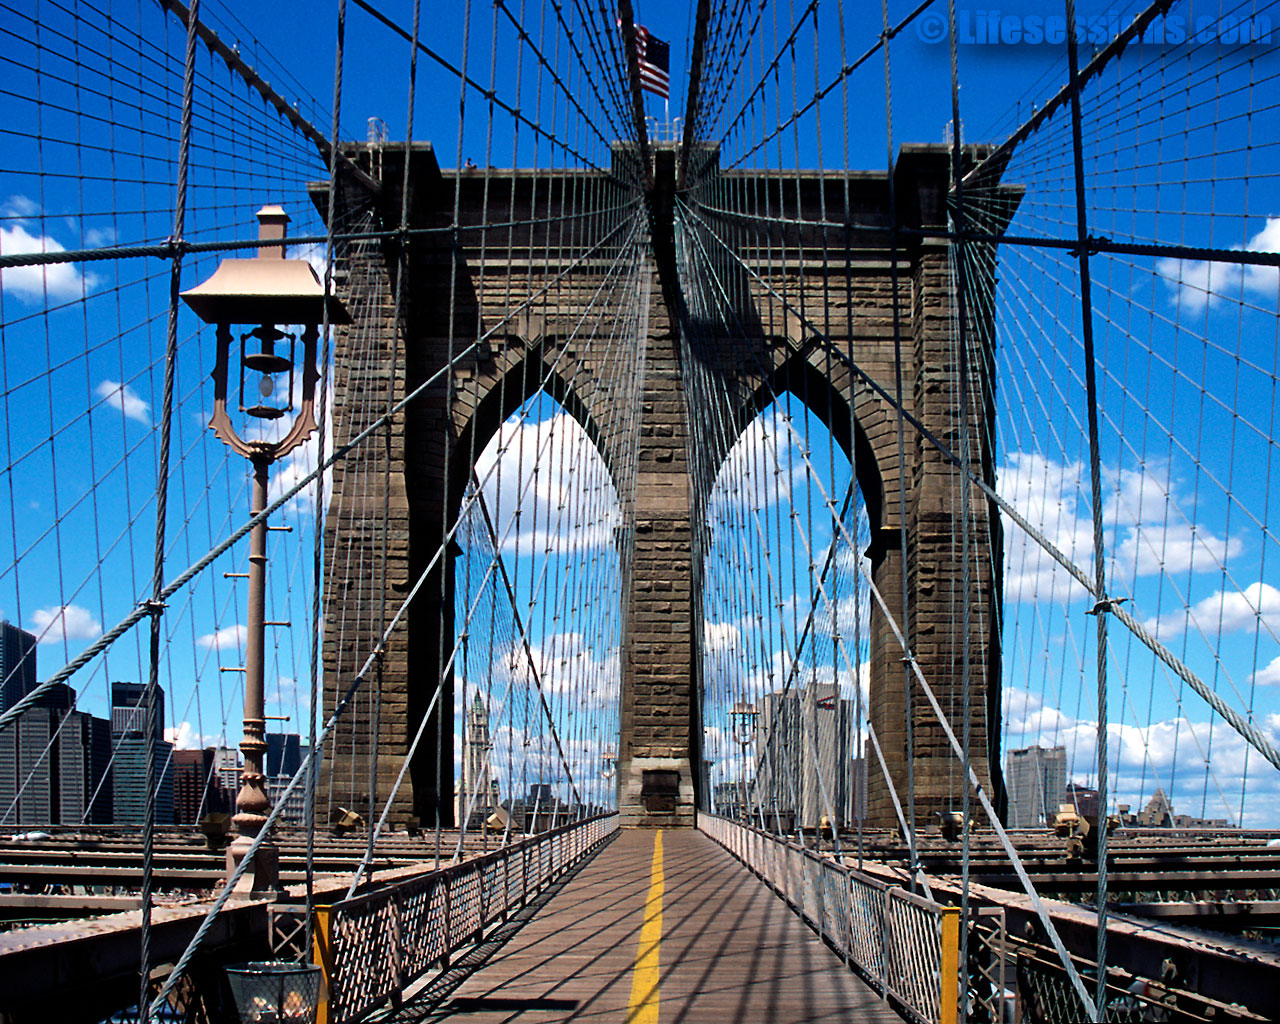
(1254, 736)
(488, 94)
(143, 610)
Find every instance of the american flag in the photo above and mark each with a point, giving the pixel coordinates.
(655, 62)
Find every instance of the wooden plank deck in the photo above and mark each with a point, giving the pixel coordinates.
(729, 949)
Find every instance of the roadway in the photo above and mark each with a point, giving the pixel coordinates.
(660, 926)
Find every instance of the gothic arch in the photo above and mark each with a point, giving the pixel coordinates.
(525, 369)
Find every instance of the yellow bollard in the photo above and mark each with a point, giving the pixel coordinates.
(322, 954)
(949, 994)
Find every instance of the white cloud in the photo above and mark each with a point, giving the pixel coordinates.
(69, 622)
(1224, 611)
(187, 737)
(58, 281)
(96, 237)
(546, 487)
(1047, 494)
(1146, 522)
(720, 637)
(1175, 547)
(568, 665)
(125, 399)
(763, 468)
(20, 206)
(313, 253)
(1169, 753)
(292, 469)
(229, 638)
(1197, 283)
(1269, 676)
(284, 694)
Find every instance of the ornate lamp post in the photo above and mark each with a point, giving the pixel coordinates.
(743, 717)
(260, 294)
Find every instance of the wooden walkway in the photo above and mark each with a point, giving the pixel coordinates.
(688, 935)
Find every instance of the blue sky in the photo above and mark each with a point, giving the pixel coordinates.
(1178, 141)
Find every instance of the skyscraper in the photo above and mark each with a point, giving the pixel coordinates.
(197, 791)
(128, 709)
(132, 748)
(54, 764)
(804, 756)
(1037, 781)
(17, 664)
(284, 754)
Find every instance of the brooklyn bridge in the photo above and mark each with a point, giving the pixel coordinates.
(545, 510)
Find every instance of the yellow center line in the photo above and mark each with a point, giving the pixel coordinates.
(644, 981)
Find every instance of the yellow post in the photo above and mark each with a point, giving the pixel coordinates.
(322, 954)
(949, 994)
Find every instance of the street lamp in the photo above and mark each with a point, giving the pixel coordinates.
(743, 717)
(260, 294)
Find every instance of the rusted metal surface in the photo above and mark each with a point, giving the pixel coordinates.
(1216, 968)
(1217, 915)
(87, 970)
(51, 965)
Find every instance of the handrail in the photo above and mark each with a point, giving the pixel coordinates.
(375, 944)
(900, 942)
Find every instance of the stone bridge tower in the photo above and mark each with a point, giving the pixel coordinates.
(387, 499)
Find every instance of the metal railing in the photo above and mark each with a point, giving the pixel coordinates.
(374, 945)
(905, 946)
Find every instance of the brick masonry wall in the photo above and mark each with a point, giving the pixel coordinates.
(427, 453)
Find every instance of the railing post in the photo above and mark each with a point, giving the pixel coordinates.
(397, 938)
(949, 993)
(886, 945)
(322, 954)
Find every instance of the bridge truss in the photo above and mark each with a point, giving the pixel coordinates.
(821, 472)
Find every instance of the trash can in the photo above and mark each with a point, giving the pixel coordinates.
(275, 991)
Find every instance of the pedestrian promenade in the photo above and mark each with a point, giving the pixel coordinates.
(663, 927)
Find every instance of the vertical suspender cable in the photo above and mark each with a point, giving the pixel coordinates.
(317, 565)
(962, 360)
(156, 604)
(1095, 481)
(907, 688)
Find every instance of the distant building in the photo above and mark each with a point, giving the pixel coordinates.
(1037, 782)
(477, 790)
(197, 791)
(54, 764)
(191, 775)
(1159, 813)
(284, 754)
(804, 756)
(17, 664)
(1083, 799)
(226, 766)
(129, 712)
(133, 746)
(85, 790)
(727, 797)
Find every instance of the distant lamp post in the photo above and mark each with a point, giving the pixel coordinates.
(609, 764)
(742, 717)
(259, 295)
